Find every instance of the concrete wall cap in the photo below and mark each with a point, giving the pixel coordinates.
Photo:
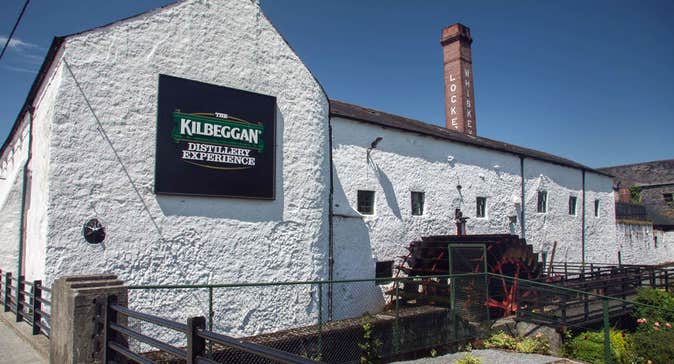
(89, 277)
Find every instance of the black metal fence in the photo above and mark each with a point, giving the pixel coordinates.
(28, 300)
(117, 334)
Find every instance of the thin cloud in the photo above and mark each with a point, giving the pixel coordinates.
(18, 69)
(18, 44)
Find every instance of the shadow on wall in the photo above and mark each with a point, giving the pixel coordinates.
(353, 260)
(249, 210)
(387, 187)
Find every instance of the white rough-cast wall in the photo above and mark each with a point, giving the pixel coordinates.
(555, 224)
(404, 162)
(37, 199)
(156, 239)
(600, 230)
(641, 244)
(11, 185)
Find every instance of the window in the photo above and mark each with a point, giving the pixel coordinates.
(384, 269)
(655, 241)
(481, 207)
(366, 202)
(542, 201)
(572, 205)
(417, 203)
(669, 200)
(596, 208)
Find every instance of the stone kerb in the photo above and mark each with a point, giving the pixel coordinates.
(76, 336)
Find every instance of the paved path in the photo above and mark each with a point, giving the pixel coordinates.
(493, 357)
(13, 349)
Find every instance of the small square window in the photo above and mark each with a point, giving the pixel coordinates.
(384, 269)
(669, 198)
(481, 203)
(417, 203)
(572, 205)
(366, 202)
(596, 208)
(542, 205)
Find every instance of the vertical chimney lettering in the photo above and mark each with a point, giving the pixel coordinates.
(458, 66)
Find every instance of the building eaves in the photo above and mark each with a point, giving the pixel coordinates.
(363, 114)
(34, 90)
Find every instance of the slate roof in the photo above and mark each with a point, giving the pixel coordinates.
(367, 115)
(647, 173)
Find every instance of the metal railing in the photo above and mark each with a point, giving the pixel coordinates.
(32, 306)
(590, 297)
(399, 329)
(116, 335)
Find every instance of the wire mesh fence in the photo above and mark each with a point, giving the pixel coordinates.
(375, 318)
(389, 319)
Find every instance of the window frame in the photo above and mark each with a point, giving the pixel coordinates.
(542, 202)
(477, 207)
(596, 207)
(385, 264)
(423, 202)
(668, 197)
(358, 202)
(575, 205)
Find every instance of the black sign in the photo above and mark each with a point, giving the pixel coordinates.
(214, 140)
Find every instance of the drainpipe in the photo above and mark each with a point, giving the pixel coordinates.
(24, 190)
(522, 199)
(582, 237)
(331, 241)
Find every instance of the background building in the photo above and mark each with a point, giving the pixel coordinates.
(645, 211)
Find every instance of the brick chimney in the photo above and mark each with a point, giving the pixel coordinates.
(458, 68)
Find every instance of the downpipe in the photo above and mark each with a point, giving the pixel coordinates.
(24, 191)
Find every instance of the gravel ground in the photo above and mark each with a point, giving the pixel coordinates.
(490, 356)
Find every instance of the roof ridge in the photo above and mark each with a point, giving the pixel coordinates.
(409, 124)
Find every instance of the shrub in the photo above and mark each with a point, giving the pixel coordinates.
(501, 341)
(653, 341)
(531, 344)
(589, 346)
(469, 359)
(663, 302)
(654, 335)
(370, 345)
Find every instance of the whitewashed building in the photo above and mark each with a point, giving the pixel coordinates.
(84, 151)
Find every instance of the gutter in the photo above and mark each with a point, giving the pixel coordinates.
(522, 198)
(582, 237)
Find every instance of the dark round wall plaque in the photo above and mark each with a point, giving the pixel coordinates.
(93, 231)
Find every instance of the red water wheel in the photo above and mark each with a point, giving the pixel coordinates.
(511, 262)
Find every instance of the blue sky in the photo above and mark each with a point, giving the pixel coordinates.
(592, 81)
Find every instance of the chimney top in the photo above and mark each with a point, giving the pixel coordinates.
(456, 32)
(458, 71)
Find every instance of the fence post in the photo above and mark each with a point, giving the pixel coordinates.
(607, 334)
(196, 345)
(320, 319)
(109, 317)
(396, 329)
(8, 290)
(210, 317)
(37, 306)
(78, 304)
(20, 287)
